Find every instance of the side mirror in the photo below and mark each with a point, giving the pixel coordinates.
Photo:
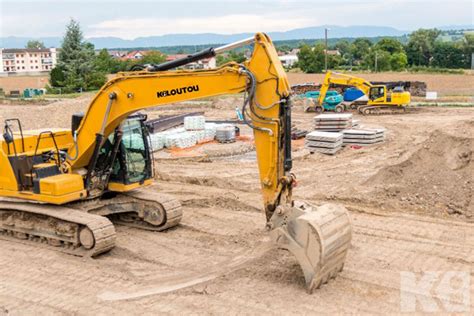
(7, 136)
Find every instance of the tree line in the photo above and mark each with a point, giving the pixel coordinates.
(424, 48)
(79, 68)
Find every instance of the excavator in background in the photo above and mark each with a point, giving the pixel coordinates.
(64, 188)
(380, 99)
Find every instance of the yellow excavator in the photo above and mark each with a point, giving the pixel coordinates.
(380, 100)
(63, 188)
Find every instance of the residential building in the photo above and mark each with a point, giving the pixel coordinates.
(334, 52)
(133, 55)
(118, 54)
(288, 60)
(206, 63)
(23, 60)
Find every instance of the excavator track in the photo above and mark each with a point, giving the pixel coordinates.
(56, 227)
(144, 209)
(382, 109)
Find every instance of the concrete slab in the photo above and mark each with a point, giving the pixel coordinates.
(359, 132)
(316, 144)
(338, 123)
(328, 151)
(334, 117)
(363, 141)
(349, 136)
(324, 136)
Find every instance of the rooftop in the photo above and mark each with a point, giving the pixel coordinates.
(26, 50)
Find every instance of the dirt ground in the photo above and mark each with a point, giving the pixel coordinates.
(410, 199)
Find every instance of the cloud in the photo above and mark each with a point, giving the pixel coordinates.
(226, 24)
(131, 19)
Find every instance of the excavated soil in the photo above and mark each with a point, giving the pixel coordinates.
(440, 174)
(217, 261)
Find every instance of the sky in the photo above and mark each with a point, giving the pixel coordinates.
(136, 18)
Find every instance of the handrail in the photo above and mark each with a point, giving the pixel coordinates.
(7, 127)
(51, 134)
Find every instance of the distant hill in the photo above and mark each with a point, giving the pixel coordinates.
(316, 32)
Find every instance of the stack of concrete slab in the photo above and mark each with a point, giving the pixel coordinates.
(324, 142)
(192, 123)
(332, 122)
(225, 133)
(363, 137)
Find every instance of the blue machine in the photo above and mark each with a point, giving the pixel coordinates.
(352, 94)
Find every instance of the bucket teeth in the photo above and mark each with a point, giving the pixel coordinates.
(319, 238)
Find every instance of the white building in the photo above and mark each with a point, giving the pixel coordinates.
(206, 63)
(288, 60)
(22, 60)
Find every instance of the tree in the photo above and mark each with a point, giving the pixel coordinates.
(379, 60)
(344, 47)
(238, 57)
(34, 44)
(360, 48)
(334, 61)
(153, 57)
(421, 45)
(469, 42)
(449, 55)
(389, 45)
(56, 77)
(311, 59)
(284, 48)
(398, 61)
(106, 63)
(77, 62)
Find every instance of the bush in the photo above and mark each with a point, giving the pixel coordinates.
(56, 76)
(398, 61)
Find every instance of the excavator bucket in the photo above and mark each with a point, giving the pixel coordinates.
(318, 236)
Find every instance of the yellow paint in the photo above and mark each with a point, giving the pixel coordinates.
(52, 199)
(120, 187)
(61, 184)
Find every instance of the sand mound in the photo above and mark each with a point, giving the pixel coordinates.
(439, 176)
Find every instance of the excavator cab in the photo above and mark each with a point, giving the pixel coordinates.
(376, 93)
(128, 153)
(133, 163)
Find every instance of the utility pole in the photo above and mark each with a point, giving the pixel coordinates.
(326, 49)
(376, 61)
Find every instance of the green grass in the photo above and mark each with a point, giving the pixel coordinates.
(69, 95)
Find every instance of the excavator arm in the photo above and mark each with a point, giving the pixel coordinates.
(344, 80)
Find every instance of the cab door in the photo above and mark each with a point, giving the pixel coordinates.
(377, 94)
